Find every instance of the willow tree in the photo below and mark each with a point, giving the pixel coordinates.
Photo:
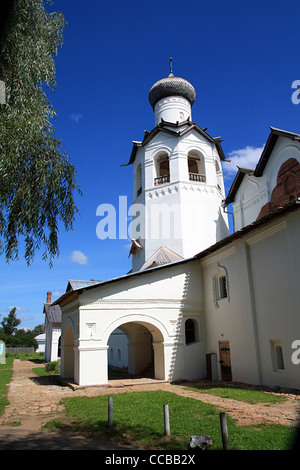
(37, 180)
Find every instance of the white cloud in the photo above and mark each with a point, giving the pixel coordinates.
(56, 294)
(246, 157)
(76, 117)
(19, 309)
(78, 257)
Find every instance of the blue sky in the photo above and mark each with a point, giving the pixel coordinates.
(242, 58)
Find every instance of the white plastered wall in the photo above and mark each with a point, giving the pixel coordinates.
(160, 301)
(263, 301)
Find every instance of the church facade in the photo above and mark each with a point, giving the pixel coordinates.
(198, 302)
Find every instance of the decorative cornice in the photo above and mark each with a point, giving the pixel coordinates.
(106, 304)
(214, 259)
(267, 232)
(181, 129)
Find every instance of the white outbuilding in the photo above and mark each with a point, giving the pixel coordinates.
(41, 341)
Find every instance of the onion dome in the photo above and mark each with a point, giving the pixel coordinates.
(172, 86)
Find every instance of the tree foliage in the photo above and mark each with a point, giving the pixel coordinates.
(21, 339)
(37, 180)
(10, 323)
(38, 330)
(14, 337)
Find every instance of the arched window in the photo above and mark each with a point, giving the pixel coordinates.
(279, 358)
(220, 285)
(190, 331)
(196, 166)
(162, 169)
(277, 355)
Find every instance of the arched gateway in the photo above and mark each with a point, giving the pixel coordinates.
(67, 348)
(151, 308)
(145, 347)
(85, 359)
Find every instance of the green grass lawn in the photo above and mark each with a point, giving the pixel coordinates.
(5, 377)
(240, 394)
(8, 364)
(138, 419)
(39, 356)
(41, 372)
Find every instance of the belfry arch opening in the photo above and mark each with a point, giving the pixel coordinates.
(135, 351)
(196, 166)
(162, 169)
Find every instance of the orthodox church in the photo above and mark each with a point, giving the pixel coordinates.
(199, 302)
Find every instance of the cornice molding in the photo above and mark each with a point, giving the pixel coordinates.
(267, 232)
(106, 304)
(215, 258)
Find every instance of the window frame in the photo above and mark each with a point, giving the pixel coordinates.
(162, 175)
(277, 361)
(220, 285)
(190, 333)
(194, 157)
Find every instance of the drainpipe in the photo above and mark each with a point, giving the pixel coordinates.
(223, 205)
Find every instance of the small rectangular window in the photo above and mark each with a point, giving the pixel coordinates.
(190, 333)
(277, 355)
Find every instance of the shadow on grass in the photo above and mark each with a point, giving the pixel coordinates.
(46, 380)
(15, 440)
(35, 360)
(122, 434)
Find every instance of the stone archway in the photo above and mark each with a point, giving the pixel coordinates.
(145, 349)
(59, 347)
(67, 359)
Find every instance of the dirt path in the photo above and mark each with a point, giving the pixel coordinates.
(286, 413)
(35, 400)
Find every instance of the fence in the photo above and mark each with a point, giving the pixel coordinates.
(20, 350)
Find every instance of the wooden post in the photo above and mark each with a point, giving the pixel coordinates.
(166, 420)
(110, 412)
(224, 431)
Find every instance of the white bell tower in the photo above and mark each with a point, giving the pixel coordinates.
(178, 184)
